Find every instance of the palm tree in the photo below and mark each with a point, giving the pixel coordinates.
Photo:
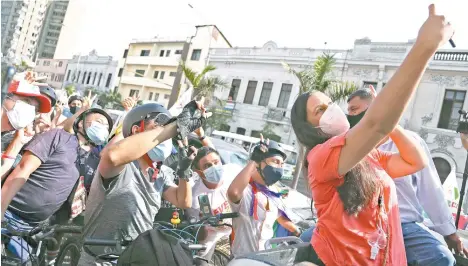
(317, 78)
(70, 89)
(110, 99)
(202, 85)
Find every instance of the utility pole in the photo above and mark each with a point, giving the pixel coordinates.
(178, 78)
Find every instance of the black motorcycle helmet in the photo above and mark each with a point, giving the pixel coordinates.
(49, 92)
(274, 149)
(82, 117)
(75, 97)
(140, 113)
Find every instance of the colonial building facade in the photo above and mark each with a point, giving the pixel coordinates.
(263, 92)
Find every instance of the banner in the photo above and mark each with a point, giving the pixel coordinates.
(184, 99)
(452, 193)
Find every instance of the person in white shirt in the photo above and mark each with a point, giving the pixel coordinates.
(258, 201)
(214, 180)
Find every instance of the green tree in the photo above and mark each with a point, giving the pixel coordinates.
(111, 99)
(202, 85)
(70, 89)
(318, 78)
(220, 116)
(269, 133)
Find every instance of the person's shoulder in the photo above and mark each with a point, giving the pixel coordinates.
(319, 151)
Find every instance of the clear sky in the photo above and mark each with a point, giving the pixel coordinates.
(109, 25)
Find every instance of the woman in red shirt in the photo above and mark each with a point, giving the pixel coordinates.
(358, 218)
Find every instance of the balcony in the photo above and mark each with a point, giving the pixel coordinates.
(451, 56)
(277, 115)
(154, 60)
(147, 82)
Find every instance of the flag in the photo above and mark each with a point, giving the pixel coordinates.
(183, 100)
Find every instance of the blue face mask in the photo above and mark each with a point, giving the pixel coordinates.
(272, 174)
(97, 133)
(214, 174)
(161, 152)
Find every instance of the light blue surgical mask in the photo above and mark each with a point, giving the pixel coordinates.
(97, 133)
(214, 174)
(161, 152)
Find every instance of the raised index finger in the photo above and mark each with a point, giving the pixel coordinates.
(261, 137)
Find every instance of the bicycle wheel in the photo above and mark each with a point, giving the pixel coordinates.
(69, 254)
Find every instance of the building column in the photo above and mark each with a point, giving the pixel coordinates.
(242, 91)
(380, 78)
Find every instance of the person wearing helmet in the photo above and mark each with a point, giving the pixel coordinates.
(74, 103)
(259, 202)
(126, 192)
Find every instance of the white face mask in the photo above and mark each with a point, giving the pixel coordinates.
(21, 115)
(97, 133)
(333, 121)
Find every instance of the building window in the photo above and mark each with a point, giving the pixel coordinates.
(89, 78)
(94, 78)
(68, 74)
(99, 80)
(84, 77)
(166, 96)
(250, 93)
(453, 102)
(240, 131)
(161, 54)
(139, 73)
(145, 53)
(156, 96)
(265, 95)
(284, 95)
(168, 53)
(443, 168)
(162, 75)
(109, 77)
(178, 51)
(60, 63)
(120, 72)
(125, 53)
(78, 77)
(368, 83)
(155, 74)
(172, 74)
(134, 93)
(235, 85)
(196, 53)
(150, 97)
(255, 134)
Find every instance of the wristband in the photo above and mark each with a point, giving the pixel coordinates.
(5, 156)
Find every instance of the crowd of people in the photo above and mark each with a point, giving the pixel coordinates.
(371, 180)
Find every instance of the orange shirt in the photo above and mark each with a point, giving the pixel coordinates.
(341, 239)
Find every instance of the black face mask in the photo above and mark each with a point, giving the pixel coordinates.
(354, 119)
(73, 109)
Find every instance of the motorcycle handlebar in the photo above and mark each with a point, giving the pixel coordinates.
(231, 215)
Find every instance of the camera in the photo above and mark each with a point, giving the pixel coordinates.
(463, 123)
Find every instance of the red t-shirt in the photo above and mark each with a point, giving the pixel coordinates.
(342, 239)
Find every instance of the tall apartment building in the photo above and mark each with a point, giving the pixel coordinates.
(51, 28)
(150, 66)
(21, 27)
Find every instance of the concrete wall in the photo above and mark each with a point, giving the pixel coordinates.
(54, 69)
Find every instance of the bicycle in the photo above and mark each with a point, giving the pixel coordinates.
(28, 246)
(120, 241)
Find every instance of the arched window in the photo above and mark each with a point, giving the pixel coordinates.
(443, 168)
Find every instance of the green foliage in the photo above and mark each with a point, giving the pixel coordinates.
(204, 86)
(317, 77)
(70, 89)
(220, 116)
(269, 133)
(110, 99)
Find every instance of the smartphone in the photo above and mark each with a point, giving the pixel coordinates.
(205, 206)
